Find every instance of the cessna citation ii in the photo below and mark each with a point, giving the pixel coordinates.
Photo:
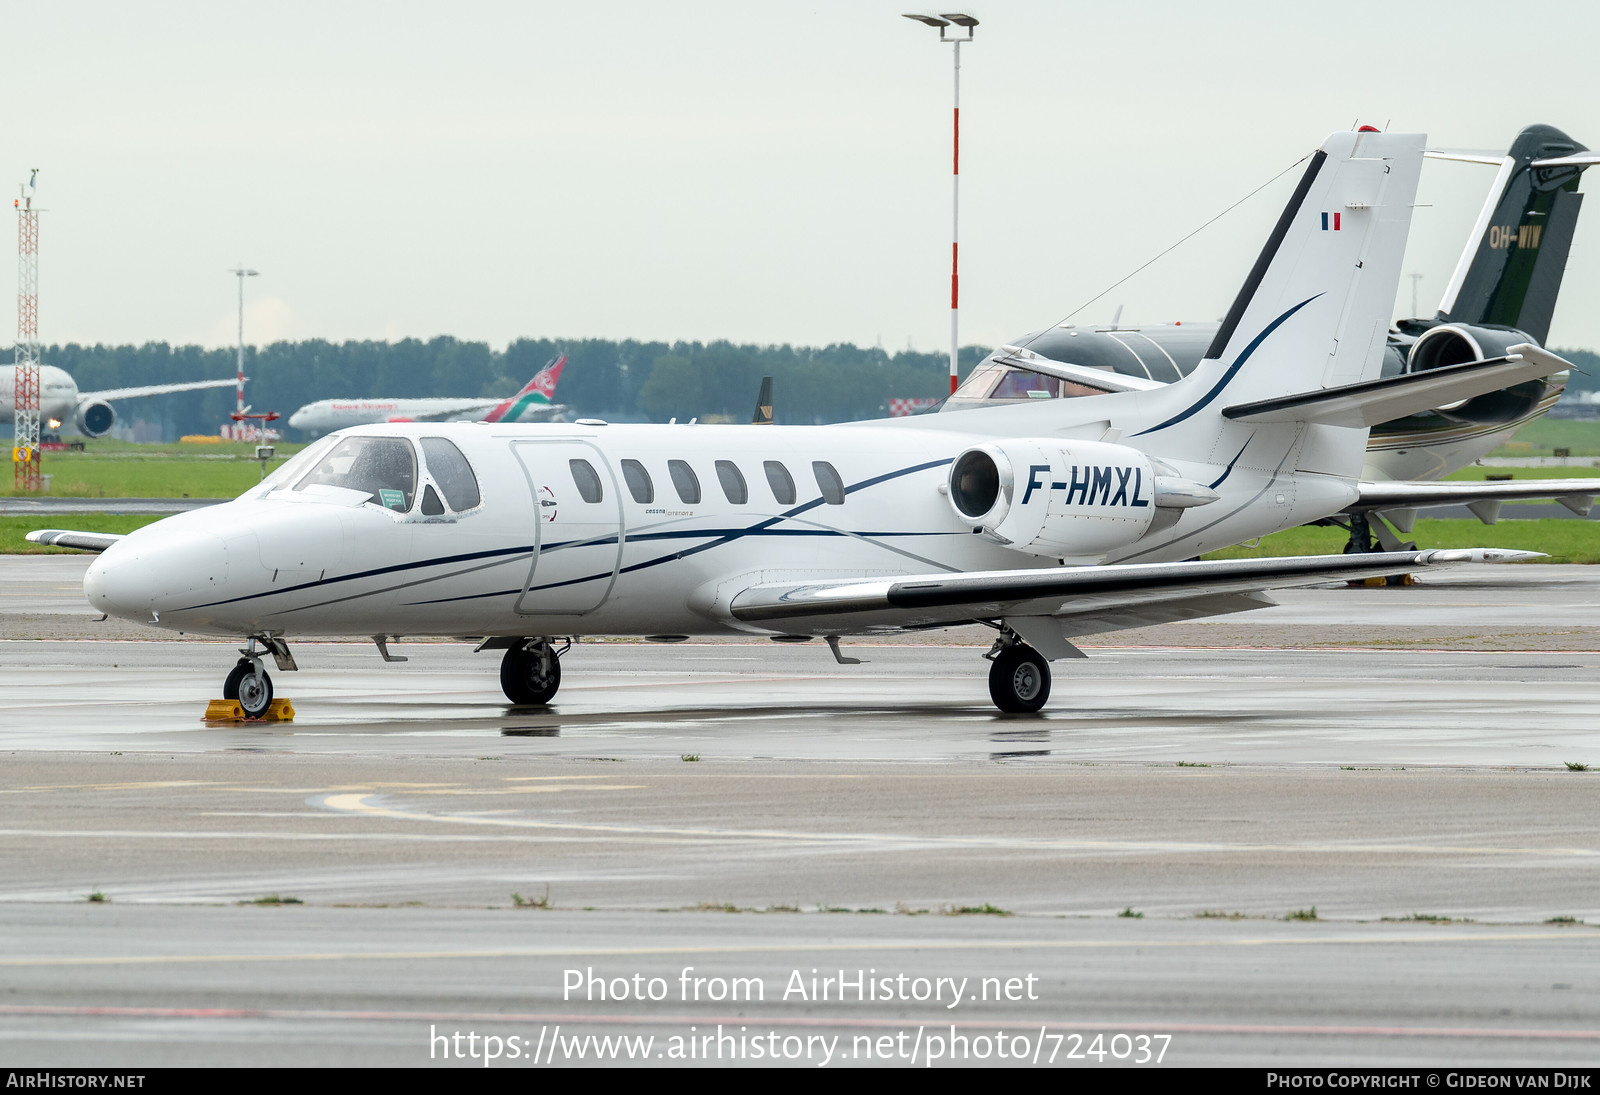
(1503, 293)
(91, 412)
(534, 403)
(1046, 520)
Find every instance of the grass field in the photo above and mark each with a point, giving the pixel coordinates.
(1543, 435)
(121, 469)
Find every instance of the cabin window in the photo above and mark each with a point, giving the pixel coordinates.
(384, 468)
(431, 506)
(781, 482)
(638, 480)
(587, 480)
(684, 481)
(732, 481)
(828, 482)
(452, 472)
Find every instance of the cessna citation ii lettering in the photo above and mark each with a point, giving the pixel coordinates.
(1045, 520)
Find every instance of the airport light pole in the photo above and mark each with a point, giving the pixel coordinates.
(241, 272)
(967, 23)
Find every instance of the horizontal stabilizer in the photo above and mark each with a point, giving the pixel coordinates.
(1373, 401)
(1084, 599)
(1102, 379)
(83, 541)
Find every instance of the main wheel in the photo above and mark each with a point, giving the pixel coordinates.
(1019, 679)
(252, 690)
(530, 677)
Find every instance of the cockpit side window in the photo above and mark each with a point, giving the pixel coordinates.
(383, 467)
(452, 472)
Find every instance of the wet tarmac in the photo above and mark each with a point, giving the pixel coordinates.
(1351, 830)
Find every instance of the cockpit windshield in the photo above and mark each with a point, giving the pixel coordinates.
(384, 468)
(293, 468)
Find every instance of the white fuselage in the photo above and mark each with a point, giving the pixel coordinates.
(58, 393)
(533, 557)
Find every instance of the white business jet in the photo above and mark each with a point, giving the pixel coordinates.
(1046, 520)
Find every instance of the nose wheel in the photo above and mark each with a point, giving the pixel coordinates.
(251, 686)
(530, 672)
(1019, 679)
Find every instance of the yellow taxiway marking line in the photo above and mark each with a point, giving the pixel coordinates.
(360, 804)
(804, 948)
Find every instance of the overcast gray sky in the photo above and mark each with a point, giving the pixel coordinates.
(765, 172)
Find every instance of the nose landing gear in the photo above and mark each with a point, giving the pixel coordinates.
(251, 686)
(248, 682)
(530, 671)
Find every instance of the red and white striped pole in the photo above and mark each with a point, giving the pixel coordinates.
(967, 23)
(955, 226)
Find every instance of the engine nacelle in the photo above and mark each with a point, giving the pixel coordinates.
(94, 418)
(1458, 343)
(1055, 498)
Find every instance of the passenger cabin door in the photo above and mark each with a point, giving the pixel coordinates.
(577, 526)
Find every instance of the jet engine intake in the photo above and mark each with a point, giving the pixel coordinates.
(1061, 499)
(1458, 343)
(94, 418)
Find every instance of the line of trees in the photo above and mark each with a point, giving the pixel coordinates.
(619, 381)
(625, 381)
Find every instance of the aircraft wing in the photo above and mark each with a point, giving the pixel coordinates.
(158, 389)
(1484, 498)
(83, 541)
(1077, 600)
(1373, 401)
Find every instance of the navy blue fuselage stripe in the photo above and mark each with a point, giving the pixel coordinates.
(1214, 484)
(1216, 389)
(440, 561)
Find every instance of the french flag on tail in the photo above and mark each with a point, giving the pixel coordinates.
(538, 393)
(1330, 222)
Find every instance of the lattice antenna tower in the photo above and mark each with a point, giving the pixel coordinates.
(26, 395)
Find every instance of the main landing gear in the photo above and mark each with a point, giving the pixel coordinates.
(1019, 676)
(530, 671)
(249, 682)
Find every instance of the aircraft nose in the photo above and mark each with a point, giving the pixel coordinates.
(133, 580)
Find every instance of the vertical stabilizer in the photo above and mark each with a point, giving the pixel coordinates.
(1510, 273)
(537, 393)
(1315, 310)
(763, 414)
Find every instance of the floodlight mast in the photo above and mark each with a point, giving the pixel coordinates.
(241, 272)
(969, 24)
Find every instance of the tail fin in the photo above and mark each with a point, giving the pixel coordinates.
(538, 392)
(763, 415)
(1510, 273)
(1315, 309)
